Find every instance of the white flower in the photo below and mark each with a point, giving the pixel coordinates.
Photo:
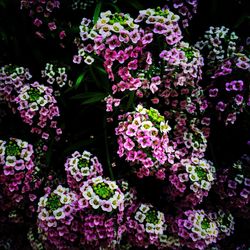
(97, 180)
(195, 187)
(137, 121)
(42, 202)
(59, 214)
(85, 171)
(205, 185)
(43, 215)
(105, 14)
(131, 24)
(193, 177)
(146, 125)
(73, 162)
(158, 229)
(112, 185)
(102, 21)
(86, 155)
(92, 34)
(41, 101)
(150, 228)
(140, 216)
(22, 144)
(88, 194)
(210, 177)
(116, 27)
(144, 208)
(140, 109)
(33, 106)
(114, 202)
(10, 160)
(89, 60)
(60, 190)
(148, 12)
(95, 202)
(65, 199)
(164, 127)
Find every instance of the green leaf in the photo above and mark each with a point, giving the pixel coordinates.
(97, 11)
(135, 4)
(87, 95)
(131, 100)
(116, 8)
(95, 99)
(80, 79)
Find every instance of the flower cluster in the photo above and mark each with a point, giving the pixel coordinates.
(219, 44)
(80, 167)
(42, 15)
(190, 142)
(102, 202)
(228, 91)
(164, 22)
(145, 225)
(105, 39)
(192, 180)
(183, 64)
(38, 108)
(17, 174)
(185, 8)
(233, 186)
(225, 223)
(12, 78)
(99, 193)
(56, 213)
(54, 74)
(196, 230)
(143, 137)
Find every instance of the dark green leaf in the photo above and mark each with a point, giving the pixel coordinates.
(80, 79)
(94, 99)
(87, 95)
(135, 4)
(97, 12)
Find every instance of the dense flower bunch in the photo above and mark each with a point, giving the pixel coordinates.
(143, 137)
(38, 108)
(219, 44)
(185, 8)
(114, 31)
(56, 75)
(192, 180)
(190, 141)
(226, 87)
(229, 92)
(196, 230)
(145, 224)
(42, 15)
(102, 204)
(233, 186)
(80, 167)
(56, 214)
(183, 64)
(106, 37)
(173, 91)
(18, 180)
(225, 223)
(164, 22)
(12, 78)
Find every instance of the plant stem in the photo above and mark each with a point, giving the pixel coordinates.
(107, 148)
